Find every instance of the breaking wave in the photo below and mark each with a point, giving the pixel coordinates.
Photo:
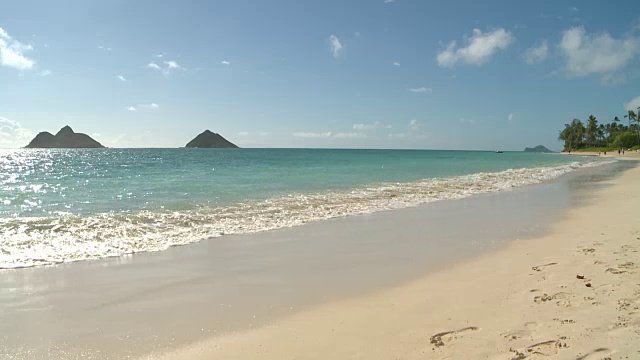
(31, 241)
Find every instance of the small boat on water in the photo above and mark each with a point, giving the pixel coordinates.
(498, 152)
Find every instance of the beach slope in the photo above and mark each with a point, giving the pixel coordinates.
(571, 294)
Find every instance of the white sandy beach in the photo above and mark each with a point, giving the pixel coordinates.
(571, 294)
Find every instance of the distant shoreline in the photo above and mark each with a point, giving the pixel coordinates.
(610, 154)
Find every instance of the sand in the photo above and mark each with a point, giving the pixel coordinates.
(612, 154)
(573, 293)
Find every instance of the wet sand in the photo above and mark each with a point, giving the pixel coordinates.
(197, 296)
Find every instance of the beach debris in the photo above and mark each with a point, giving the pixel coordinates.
(580, 277)
(587, 284)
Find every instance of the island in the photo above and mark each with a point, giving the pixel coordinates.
(538, 149)
(209, 139)
(65, 138)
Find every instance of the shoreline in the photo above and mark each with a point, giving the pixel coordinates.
(518, 301)
(628, 155)
(151, 303)
(248, 217)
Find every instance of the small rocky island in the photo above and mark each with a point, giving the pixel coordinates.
(65, 138)
(538, 149)
(210, 139)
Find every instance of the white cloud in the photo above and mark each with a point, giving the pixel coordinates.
(121, 78)
(172, 65)
(574, 9)
(45, 72)
(510, 117)
(480, 48)
(12, 134)
(329, 134)
(12, 52)
(633, 104)
(373, 126)
(264, 133)
(243, 133)
(601, 53)
(336, 46)
(350, 135)
(389, 1)
(415, 125)
(396, 63)
(312, 135)
(536, 54)
(153, 65)
(398, 135)
(151, 106)
(225, 62)
(421, 90)
(168, 66)
(104, 48)
(160, 56)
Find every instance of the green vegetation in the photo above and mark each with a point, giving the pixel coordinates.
(602, 137)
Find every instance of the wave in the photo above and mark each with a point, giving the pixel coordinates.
(30, 241)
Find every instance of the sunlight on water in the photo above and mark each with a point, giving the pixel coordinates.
(67, 205)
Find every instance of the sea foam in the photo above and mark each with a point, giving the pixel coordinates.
(32, 241)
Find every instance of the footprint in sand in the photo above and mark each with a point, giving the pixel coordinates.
(624, 304)
(588, 251)
(628, 265)
(615, 271)
(599, 353)
(541, 267)
(564, 321)
(518, 334)
(542, 298)
(440, 339)
(563, 298)
(628, 248)
(545, 348)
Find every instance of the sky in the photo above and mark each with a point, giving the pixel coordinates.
(300, 73)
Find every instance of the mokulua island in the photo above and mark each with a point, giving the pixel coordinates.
(65, 138)
(210, 140)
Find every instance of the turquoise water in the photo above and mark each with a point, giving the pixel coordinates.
(65, 205)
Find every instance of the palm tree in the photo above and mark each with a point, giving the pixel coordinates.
(637, 116)
(592, 130)
(631, 116)
(573, 135)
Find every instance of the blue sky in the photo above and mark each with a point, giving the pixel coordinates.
(374, 73)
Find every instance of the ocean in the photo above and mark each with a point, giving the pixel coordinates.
(66, 205)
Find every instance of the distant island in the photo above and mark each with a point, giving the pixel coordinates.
(210, 139)
(538, 149)
(65, 138)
